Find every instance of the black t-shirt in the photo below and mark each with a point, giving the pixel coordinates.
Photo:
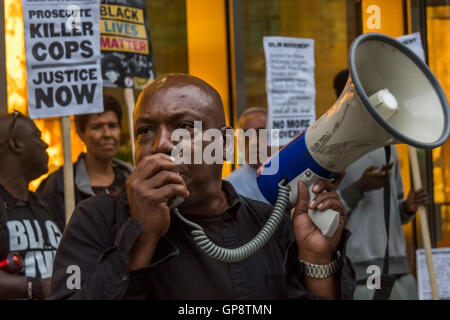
(211, 279)
(30, 229)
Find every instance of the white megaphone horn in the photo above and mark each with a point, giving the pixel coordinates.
(391, 97)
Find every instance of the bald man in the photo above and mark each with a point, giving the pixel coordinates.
(131, 247)
(27, 225)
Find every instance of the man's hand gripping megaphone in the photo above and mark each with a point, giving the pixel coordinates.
(313, 246)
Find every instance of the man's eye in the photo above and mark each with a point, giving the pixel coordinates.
(142, 131)
(185, 125)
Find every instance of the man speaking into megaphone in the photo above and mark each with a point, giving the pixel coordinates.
(132, 247)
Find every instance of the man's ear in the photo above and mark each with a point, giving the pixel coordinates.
(228, 143)
(16, 144)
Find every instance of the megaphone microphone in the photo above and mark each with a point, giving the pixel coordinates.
(390, 97)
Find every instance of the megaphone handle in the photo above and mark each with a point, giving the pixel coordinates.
(327, 221)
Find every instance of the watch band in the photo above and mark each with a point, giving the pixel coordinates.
(321, 271)
(34, 289)
(30, 289)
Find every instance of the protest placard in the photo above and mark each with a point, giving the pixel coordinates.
(413, 42)
(125, 43)
(290, 86)
(441, 259)
(62, 43)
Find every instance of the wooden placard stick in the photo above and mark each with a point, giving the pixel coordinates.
(423, 221)
(69, 187)
(129, 101)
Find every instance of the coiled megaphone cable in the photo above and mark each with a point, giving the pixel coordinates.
(246, 250)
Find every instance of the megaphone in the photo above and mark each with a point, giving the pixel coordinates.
(390, 97)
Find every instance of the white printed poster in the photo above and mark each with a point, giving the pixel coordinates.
(413, 42)
(441, 260)
(290, 86)
(62, 44)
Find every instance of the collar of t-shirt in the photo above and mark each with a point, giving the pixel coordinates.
(227, 188)
(11, 202)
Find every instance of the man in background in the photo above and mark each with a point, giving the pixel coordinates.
(27, 226)
(243, 178)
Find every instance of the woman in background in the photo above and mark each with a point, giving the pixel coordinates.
(97, 171)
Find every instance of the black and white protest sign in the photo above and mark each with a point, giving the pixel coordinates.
(441, 261)
(290, 86)
(62, 42)
(413, 42)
